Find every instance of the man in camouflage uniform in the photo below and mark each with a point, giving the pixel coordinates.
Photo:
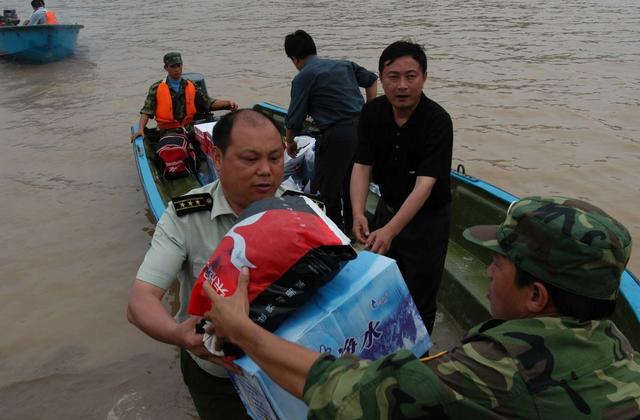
(549, 352)
(173, 67)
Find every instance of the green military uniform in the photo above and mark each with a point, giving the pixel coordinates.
(541, 367)
(203, 103)
(530, 368)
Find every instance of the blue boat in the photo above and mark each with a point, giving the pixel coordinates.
(38, 43)
(475, 202)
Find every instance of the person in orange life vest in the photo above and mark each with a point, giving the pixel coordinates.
(173, 102)
(41, 16)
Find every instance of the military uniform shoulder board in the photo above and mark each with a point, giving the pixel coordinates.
(192, 203)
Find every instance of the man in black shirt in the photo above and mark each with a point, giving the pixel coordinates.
(405, 141)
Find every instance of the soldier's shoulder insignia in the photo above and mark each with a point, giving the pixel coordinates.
(192, 203)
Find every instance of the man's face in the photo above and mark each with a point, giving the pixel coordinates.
(174, 70)
(506, 298)
(402, 81)
(252, 166)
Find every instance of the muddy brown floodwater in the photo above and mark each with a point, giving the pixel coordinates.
(544, 97)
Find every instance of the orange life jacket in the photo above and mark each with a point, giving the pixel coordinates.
(164, 106)
(51, 18)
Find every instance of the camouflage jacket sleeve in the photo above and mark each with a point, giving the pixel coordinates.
(400, 386)
(149, 106)
(203, 102)
(531, 368)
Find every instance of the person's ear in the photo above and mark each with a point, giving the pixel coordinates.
(217, 159)
(538, 297)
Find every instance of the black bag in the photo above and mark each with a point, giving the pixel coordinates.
(175, 157)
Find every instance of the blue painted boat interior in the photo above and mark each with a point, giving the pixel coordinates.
(629, 284)
(146, 177)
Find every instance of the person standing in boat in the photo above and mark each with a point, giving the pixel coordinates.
(249, 160)
(174, 102)
(9, 17)
(329, 92)
(40, 15)
(549, 353)
(405, 145)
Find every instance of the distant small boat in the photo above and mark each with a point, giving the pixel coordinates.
(38, 43)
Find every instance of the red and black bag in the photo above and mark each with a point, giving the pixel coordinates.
(175, 157)
(292, 249)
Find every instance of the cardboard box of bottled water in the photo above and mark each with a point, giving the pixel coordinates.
(365, 310)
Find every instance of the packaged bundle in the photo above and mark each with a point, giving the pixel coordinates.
(291, 248)
(298, 171)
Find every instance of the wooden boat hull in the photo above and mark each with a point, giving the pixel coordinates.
(38, 43)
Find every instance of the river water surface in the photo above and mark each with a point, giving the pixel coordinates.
(544, 97)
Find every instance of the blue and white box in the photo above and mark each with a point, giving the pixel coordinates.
(365, 310)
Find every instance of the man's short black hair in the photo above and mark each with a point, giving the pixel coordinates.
(299, 45)
(37, 3)
(402, 49)
(221, 134)
(570, 304)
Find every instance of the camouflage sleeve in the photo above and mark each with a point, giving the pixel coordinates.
(149, 106)
(484, 377)
(396, 386)
(203, 102)
(471, 381)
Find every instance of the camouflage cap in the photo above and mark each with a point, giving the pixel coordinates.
(566, 242)
(172, 58)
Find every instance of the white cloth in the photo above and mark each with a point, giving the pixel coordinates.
(298, 171)
(210, 341)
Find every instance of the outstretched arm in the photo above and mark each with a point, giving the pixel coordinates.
(144, 119)
(145, 311)
(360, 178)
(287, 363)
(289, 140)
(372, 91)
(380, 240)
(219, 104)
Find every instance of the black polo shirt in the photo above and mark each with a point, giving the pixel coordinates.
(421, 147)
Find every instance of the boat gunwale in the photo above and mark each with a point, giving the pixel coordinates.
(47, 27)
(151, 191)
(629, 284)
